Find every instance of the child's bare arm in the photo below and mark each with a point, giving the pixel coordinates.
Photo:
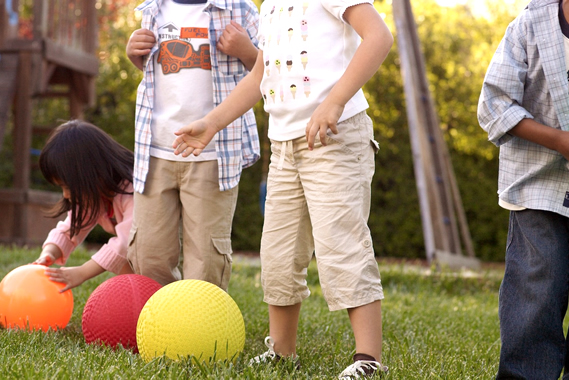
(193, 138)
(139, 44)
(376, 42)
(235, 41)
(74, 276)
(552, 138)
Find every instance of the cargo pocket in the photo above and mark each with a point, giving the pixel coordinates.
(222, 266)
(223, 246)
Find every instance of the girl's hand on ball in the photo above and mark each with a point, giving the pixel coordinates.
(74, 276)
(71, 276)
(46, 259)
(49, 254)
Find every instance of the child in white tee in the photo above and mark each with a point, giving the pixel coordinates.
(192, 54)
(314, 58)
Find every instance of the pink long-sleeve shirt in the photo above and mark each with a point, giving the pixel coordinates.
(111, 256)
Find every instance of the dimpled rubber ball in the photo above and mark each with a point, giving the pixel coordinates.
(30, 300)
(111, 312)
(191, 318)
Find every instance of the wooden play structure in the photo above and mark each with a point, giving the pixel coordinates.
(57, 59)
(445, 228)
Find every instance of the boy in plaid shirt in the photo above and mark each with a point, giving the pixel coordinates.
(192, 54)
(524, 107)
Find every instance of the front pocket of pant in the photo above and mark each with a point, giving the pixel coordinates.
(131, 250)
(131, 236)
(374, 145)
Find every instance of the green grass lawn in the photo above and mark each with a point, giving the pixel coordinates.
(435, 326)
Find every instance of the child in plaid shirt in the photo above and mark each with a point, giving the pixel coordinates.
(524, 107)
(192, 53)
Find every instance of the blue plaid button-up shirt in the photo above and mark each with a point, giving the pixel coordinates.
(527, 78)
(237, 146)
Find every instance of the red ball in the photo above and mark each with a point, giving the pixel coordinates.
(111, 312)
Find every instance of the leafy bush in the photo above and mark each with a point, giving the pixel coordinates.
(457, 52)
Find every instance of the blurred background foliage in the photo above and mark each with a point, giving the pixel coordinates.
(458, 42)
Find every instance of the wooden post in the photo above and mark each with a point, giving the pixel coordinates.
(8, 20)
(410, 76)
(22, 142)
(91, 38)
(8, 62)
(439, 198)
(61, 52)
(40, 27)
(91, 45)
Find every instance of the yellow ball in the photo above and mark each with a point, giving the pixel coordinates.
(190, 318)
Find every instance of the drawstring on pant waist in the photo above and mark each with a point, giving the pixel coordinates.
(284, 146)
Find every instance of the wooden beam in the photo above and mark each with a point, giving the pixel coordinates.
(17, 45)
(439, 198)
(39, 197)
(23, 121)
(8, 21)
(415, 119)
(40, 19)
(8, 68)
(31, 204)
(92, 36)
(22, 138)
(75, 60)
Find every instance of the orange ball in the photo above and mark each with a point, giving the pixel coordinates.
(29, 299)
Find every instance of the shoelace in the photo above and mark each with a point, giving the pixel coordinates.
(358, 369)
(270, 354)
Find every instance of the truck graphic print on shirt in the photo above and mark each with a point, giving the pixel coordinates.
(178, 53)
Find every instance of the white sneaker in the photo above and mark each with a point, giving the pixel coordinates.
(268, 356)
(362, 369)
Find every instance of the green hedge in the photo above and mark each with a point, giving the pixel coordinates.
(456, 53)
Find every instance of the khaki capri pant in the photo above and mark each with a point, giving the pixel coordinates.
(318, 202)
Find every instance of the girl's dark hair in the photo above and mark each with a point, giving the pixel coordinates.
(91, 164)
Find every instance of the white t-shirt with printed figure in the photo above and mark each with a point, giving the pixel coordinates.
(307, 46)
(183, 79)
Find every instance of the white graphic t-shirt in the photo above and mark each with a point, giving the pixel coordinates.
(306, 47)
(183, 81)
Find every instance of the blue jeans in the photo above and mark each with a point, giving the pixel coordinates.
(533, 297)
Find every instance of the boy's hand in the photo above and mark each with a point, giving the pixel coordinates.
(71, 276)
(140, 44)
(193, 138)
(235, 42)
(325, 117)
